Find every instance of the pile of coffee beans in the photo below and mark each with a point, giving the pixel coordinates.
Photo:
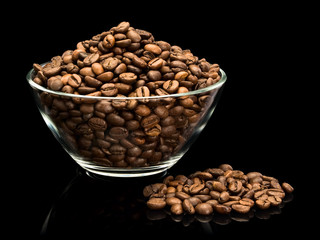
(220, 190)
(125, 62)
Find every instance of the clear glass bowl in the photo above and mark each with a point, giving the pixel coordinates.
(126, 136)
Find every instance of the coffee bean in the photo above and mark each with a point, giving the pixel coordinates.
(97, 123)
(90, 59)
(122, 27)
(142, 110)
(171, 86)
(201, 192)
(74, 80)
(108, 41)
(176, 209)
(109, 89)
(55, 83)
(156, 203)
(155, 49)
(128, 78)
(263, 203)
(143, 91)
(118, 132)
(204, 209)
(155, 63)
(287, 187)
(188, 207)
(240, 208)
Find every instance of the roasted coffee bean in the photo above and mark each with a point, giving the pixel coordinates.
(204, 209)
(241, 208)
(205, 192)
(176, 209)
(109, 89)
(109, 41)
(156, 203)
(128, 78)
(55, 83)
(188, 207)
(118, 132)
(74, 80)
(287, 187)
(97, 123)
(171, 86)
(143, 91)
(155, 49)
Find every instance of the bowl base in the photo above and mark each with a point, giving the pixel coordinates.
(106, 177)
(123, 173)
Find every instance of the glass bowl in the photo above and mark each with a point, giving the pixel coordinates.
(126, 136)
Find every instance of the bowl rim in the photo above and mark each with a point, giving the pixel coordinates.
(63, 94)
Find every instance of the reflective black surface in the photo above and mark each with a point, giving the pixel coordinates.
(260, 123)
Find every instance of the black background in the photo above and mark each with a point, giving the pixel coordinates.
(257, 125)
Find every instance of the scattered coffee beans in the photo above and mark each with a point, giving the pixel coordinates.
(126, 62)
(220, 190)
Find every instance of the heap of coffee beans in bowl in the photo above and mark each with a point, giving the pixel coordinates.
(220, 190)
(125, 62)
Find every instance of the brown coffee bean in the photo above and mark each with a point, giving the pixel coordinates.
(110, 63)
(241, 208)
(153, 131)
(122, 27)
(105, 76)
(246, 202)
(171, 86)
(155, 49)
(154, 75)
(109, 89)
(139, 62)
(287, 187)
(128, 78)
(97, 68)
(155, 63)
(143, 91)
(188, 207)
(182, 195)
(97, 123)
(204, 209)
(222, 209)
(91, 58)
(263, 204)
(176, 209)
(156, 203)
(181, 75)
(74, 80)
(274, 200)
(142, 110)
(173, 200)
(235, 186)
(133, 36)
(109, 41)
(223, 197)
(118, 132)
(196, 188)
(55, 83)
(92, 82)
(161, 111)
(121, 68)
(150, 121)
(115, 120)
